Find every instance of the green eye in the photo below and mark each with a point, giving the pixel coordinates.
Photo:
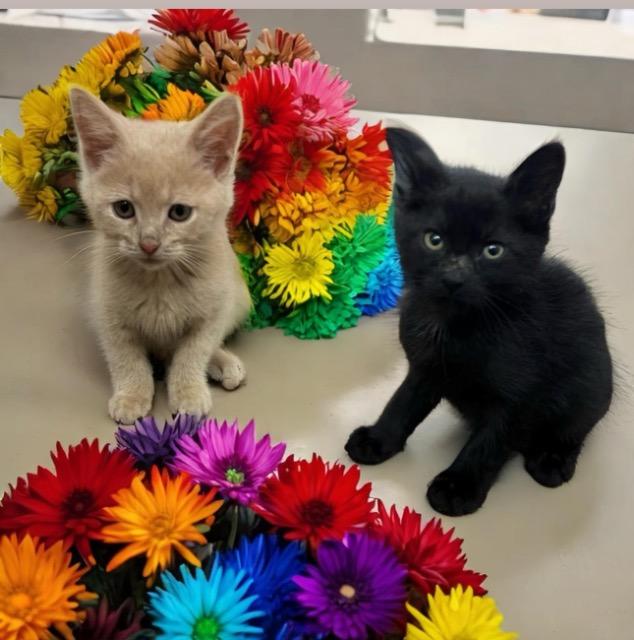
(493, 251)
(433, 241)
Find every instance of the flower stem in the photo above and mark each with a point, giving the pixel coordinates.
(235, 517)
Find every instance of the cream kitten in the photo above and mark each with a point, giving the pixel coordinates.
(165, 280)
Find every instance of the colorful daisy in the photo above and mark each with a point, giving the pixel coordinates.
(220, 455)
(44, 113)
(20, 161)
(320, 97)
(357, 587)
(68, 504)
(41, 204)
(39, 590)
(191, 21)
(459, 615)
(314, 500)
(300, 271)
(179, 104)
(198, 606)
(158, 520)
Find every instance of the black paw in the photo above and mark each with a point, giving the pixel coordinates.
(453, 494)
(551, 469)
(365, 448)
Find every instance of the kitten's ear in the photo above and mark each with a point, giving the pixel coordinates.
(416, 165)
(98, 127)
(533, 185)
(217, 132)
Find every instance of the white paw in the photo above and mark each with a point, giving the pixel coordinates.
(232, 373)
(194, 399)
(128, 407)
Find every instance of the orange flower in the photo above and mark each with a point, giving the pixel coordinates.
(178, 105)
(157, 520)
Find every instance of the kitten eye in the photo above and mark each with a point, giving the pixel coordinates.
(123, 209)
(493, 251)
(179, 212)
(433, 241)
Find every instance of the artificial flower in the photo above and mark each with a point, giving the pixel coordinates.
(433, 557)
(270, 113)
(356, 588)
(158, 520)
(314, 500)
(20, 161)
(298, 272)
(459, 615)
(103, 623)
(39, 589)
(41, 205)
(150, 445)
(198, 606)
(44, 113)
(177, 105)
(220, 455)
(180, 21)
(68, 504)
(278, 47)
(271, 565)
(320, 97)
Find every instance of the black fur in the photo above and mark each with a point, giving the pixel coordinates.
(516, 343)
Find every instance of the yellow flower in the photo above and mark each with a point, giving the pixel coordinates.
(44, 113)
(157, 520)
(298, 272)
(119, 54)
(178, 105)
(41, 205)
(83, 75)
(458, 616)
(20, 161)
(38, 590)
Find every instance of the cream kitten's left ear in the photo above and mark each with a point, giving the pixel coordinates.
(98, 128)
(217, 132)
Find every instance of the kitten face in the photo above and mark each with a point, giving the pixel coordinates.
(157, 189)
(469, 240)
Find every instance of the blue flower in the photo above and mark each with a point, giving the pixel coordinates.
(150, 445)
(272, 565)
(205, 607)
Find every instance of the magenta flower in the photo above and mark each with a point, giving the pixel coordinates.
(219, 455)
(320, 97)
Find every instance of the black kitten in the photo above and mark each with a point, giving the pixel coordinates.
(512, 339)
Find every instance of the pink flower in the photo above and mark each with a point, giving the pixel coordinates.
(219, 455)
(320, 97)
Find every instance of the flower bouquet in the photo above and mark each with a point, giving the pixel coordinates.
(311, 222)
(200, 531)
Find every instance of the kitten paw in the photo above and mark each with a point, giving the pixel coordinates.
(366, 448)
(125, 408)
(551, 469)
(453, 494)
(193, 399)
(228, 371)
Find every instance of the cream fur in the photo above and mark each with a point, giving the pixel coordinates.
(182, 302)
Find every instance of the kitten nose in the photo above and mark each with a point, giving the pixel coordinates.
(149, 246)
(452, 281)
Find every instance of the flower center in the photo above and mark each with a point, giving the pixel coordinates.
(348, 591)
(244, 170)
(19, 604)
(160, 526)
(310, 103)
(265, 117)
(206, 629)
(78, 503)
(234, 476)
(304, 268)
(317, 513)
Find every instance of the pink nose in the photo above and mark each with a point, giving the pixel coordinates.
(149, 246)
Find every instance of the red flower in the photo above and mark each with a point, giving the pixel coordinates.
(310, 163)
(270, 115)
(431, 555)
(315, 501)
(258, 171)
(180, 21)
(368, 155)
(67, 505)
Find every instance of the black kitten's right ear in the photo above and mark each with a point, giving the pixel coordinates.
(416, 165)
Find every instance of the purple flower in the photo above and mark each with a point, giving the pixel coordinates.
(151, 445)
(222, 456)
(357, 587)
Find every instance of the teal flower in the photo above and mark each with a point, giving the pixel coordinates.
(205, 607)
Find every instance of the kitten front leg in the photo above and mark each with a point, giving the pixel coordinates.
(463, 487)
(131, 375)
(408, 407)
